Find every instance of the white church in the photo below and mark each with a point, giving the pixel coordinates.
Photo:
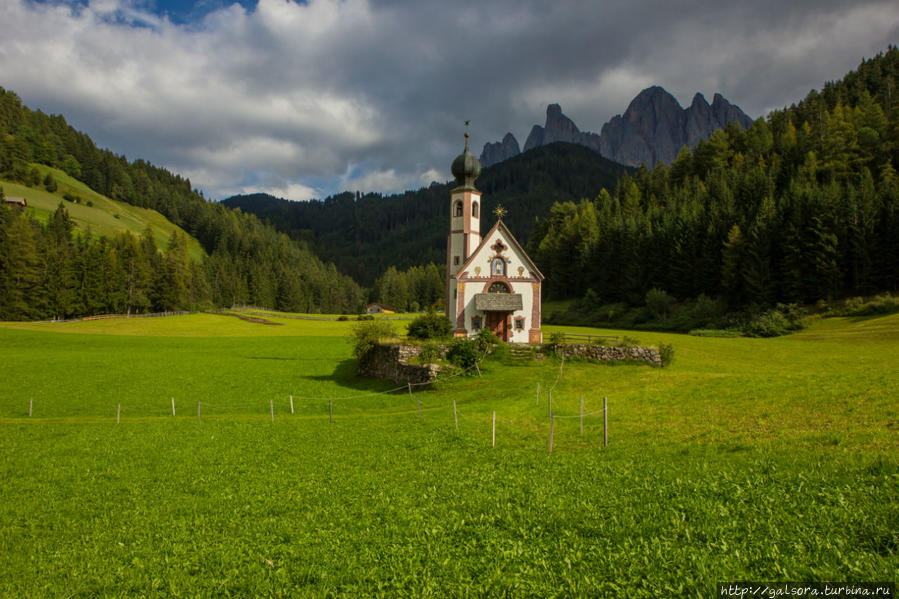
(491, 282)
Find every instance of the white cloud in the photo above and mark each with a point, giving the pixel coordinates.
(294, 96)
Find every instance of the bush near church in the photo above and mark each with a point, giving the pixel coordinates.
(430, 326)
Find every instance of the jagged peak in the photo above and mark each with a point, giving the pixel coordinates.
(699, 99)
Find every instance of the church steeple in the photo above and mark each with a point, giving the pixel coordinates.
(465, 220)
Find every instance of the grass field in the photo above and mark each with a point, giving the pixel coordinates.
(746, 459)
(101, 217)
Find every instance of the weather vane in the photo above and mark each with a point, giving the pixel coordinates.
(499, 211)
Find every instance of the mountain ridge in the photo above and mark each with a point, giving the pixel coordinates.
(652, 129)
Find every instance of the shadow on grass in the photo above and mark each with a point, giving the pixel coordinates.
(344, 375)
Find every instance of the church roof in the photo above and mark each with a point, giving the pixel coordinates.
(466, 168)
(507, 234)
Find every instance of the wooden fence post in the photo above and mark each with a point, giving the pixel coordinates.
(538, 394)
(118, 413)
(493, 434)
(291, 403)
(330, 412)
(30, 406)
(455, 415)
(549, 403)
(271, 407)
(605, 422)
(582, 414)
(552, 423)
(173, 406)
(198, 411)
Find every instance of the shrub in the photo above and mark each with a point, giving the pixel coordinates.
(343, 318)
(366, 335)
(659, 303)
(794, 314)
(463, 352)
(430, 353)
(430, 326)
(628, 342)
(362, 317)
(485, 338)
(90, 204)
(880, 305)
(768, 324)
(556, 339)
(666, 353)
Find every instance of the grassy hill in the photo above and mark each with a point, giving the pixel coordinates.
(746, 459)
(102, 215)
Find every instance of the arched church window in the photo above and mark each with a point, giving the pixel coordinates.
(474, 209)
(499, 287)
(498, 267)
(457, 210)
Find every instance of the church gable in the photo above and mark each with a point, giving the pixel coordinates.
(500, 256)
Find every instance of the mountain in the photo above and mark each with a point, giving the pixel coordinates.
(499, 151)
(653, 129)
(366, 234)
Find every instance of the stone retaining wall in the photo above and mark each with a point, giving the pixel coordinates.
(608, 353)
(392, 362)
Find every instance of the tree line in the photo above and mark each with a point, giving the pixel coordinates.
(412, 290)
(247, 262)
(48, 270)
(800, 207)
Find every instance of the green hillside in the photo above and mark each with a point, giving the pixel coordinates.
(48, 270)
(96, 212)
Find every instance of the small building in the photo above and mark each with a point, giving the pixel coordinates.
(376, 308)
(491, 281)
(17, 202)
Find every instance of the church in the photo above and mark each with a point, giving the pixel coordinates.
(491, 281)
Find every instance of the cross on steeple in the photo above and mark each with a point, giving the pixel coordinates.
(500, 212)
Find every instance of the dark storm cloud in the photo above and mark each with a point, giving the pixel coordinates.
(304, 100)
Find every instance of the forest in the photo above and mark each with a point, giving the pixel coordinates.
(801, 207)
(49, 270)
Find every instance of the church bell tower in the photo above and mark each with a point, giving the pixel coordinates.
(465, 222)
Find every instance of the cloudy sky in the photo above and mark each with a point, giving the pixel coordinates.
(305, 99)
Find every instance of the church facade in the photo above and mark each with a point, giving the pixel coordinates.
(491, 282)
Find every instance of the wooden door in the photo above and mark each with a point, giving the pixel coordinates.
(496, 322)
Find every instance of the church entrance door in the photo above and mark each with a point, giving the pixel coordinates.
(496, 322)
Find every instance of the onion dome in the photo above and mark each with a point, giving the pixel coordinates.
(466, 167)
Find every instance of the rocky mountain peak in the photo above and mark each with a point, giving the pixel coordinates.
(499, 151)
(653, 128)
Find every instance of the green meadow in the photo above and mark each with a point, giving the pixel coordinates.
(745, 459)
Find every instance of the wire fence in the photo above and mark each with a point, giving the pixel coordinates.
(520, 429)
(528, 427)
